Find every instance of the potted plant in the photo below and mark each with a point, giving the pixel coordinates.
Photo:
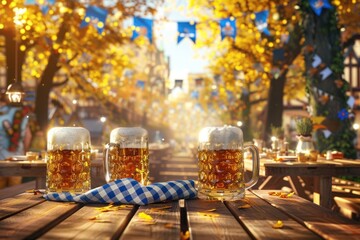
(305, 148)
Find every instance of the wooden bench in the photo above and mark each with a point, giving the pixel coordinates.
(348, 207)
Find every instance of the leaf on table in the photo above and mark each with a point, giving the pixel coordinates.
(208, 214)
(185, 236)
(160, 209)
(281, 194)
(279, 224)
(244, 206)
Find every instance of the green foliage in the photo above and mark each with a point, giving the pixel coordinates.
(277, 131)
(341, 141)
(304, 126)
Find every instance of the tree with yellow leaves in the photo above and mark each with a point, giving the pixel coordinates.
(261, 64)
(255, 65)
(53, 48)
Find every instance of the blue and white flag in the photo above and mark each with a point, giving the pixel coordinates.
(44, 4)
(186, 29)
(143, 27)
(261, 23)
(140, 84)
(195, 94)
(96, 16)
(228, 28)
(318, 5)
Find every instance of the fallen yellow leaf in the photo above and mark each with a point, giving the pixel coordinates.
(145, 216)
(278, 224)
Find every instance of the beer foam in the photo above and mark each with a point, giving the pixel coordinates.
(69, 136)
(118, 134)
(221, 135)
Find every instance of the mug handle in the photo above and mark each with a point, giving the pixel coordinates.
(106, 155)
(255, 166)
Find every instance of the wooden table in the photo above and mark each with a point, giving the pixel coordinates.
(321, 172)
(37, 169)
(29, 216)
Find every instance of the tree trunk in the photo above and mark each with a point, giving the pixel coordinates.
(327, 93)
(245, 98)
(47, 80)
(10, 50)
(274, 113)
(275, 109)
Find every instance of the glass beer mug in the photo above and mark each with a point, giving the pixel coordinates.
(68, 160)
(221, 163)
(127, 155)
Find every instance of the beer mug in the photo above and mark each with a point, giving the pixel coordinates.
(127, 155)
(68, 160)
(221, 163)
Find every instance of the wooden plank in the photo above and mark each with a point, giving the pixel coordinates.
(351, 205)
(35, 221)
(259, 217)
(16, 204)
(301, 170)
(323, 191)
(322, 221)
(272, 182)
(296, 186)
(16, 189)
(154, 221)
(328, 168)
(212, 220)
(93, 221)
(23, 168)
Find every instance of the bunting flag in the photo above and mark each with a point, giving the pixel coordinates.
(284, 38)
(325, 73)
(278, 56)
(214, 93)
(143, 27)
(43, 4)
(318, 5)
(140, 84)
(96, 16)
(351, 101)
(195, 94)
(261, 19)
(228, 28)
(326, 133)
(316, 61)
(186, 30)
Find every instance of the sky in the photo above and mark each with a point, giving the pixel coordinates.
(185, 58)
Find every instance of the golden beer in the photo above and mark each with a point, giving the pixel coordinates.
(221, 164)
(128, 163)
(68, 171)
(221, 171)
(127, 155)
(68, 160)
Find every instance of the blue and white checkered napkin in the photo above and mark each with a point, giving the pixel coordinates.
(129, 191)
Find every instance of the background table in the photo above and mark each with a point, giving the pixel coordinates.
(321, 172)
(37, 169)
(30, 216)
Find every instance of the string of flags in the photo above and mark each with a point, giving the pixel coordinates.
(324, 97)
(96, 17)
